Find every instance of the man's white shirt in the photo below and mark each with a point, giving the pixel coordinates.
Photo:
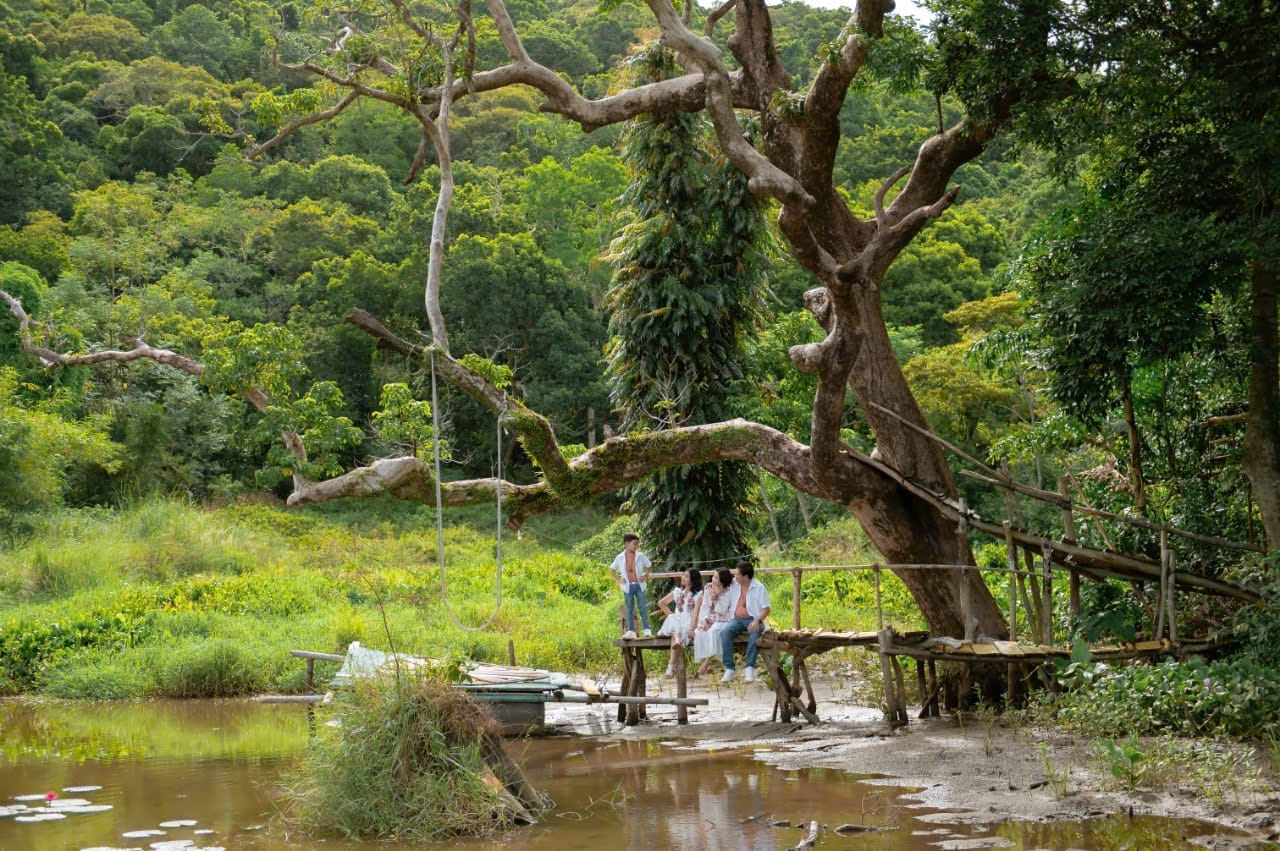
(619, 567)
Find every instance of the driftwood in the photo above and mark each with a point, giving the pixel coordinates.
(810, 839)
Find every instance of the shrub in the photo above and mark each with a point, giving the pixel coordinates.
(210, 668)
(1237, 698)
(406, 763)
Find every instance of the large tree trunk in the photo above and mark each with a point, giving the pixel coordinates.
(903, 528)
(1262, 428)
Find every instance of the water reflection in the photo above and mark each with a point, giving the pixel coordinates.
(215, 762)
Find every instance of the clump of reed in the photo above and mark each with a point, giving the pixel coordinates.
(410, 758)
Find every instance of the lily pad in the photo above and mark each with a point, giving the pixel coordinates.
(182, 822)
(87, 808)
(39, 797)
(79, 790)
(40, 817)
(142, 834)
(69, 802)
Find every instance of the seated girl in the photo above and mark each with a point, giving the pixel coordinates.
(682, 601)
(715, 610)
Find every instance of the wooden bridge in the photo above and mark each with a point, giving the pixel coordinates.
(1031, 561)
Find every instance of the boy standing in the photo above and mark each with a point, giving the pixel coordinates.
(632, 569)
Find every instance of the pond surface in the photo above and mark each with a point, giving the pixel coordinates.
(214, 763)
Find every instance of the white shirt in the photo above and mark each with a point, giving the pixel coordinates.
(619, 567)
(757, 598)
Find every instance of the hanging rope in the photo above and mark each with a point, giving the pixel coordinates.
(444, 582)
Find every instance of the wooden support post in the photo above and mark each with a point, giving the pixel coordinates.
(1173, 589)
(922, 686)
(625, 687)
(1046, 621)
(311, 675)
(902, 690)
(962, 576)
(891, 709)
(1164, 583)
(934, 711)
(808, 685)
(682, 689)
(1011, 673)
(1011, 554)
(795, 598)
(781, 691)
(511, 652)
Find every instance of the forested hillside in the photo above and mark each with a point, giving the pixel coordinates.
(139, 205)
(132, 210)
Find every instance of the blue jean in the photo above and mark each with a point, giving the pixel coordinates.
(635, 599)
(732, 630)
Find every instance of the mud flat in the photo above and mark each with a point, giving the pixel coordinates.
(966, 771)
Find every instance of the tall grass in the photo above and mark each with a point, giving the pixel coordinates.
(405, 762)
(167, 599)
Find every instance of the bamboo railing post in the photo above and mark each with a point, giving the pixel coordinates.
(875, 569)
(1029, 582)
(1069, 536)
(1046, 620)
(1011, 553)
(1164, 583)
(795, 598)
(965, 592)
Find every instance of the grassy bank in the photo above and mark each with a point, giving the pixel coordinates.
(167, 599)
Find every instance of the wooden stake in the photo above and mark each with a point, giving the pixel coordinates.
(1173, 588)
(511, 652)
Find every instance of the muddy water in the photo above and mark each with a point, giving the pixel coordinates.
(215, 763)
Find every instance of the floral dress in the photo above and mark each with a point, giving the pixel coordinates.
(719, 612)
(680, 622)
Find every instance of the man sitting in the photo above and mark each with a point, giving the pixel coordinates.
(750, 609)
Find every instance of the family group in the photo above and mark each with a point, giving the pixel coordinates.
(709, 617)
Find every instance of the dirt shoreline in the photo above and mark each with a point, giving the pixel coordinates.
(976, 769)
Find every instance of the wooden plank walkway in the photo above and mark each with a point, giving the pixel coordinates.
(794, 695)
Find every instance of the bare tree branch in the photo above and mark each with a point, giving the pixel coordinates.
(714, 18)
(763, 177)
(294, 126)
(140, 351)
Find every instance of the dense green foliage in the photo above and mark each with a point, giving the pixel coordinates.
(139, 215)
(1082, 311)
(688, 290)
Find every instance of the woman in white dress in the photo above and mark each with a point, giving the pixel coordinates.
(715, 611)
(683, 602)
